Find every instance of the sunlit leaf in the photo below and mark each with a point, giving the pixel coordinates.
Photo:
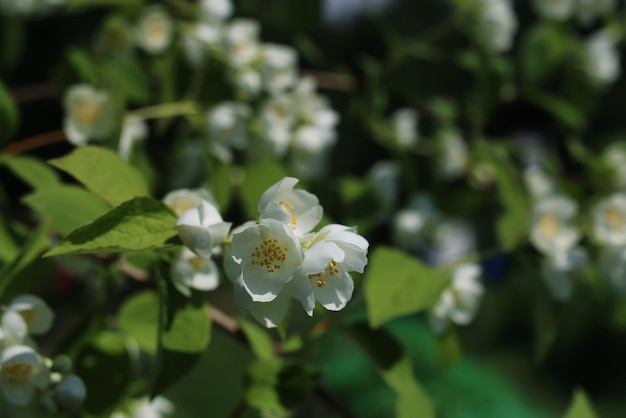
(412, 400)
(138, 318)
(580, 407)
(260, 341)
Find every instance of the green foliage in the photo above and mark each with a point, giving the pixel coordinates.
(8, 246)
(412, 400)
(580, 407)
(260, 342)
(138, 318)
(105, 173)
(397, 284)
(83, 67)
(31, 170)
(257, 179)
(9, 116)
(544, 48)
(139, 224)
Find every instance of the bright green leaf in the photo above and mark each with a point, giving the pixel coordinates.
(412, 400)
(398, 284)
(52, 203)
(139, 319)
(139, 224)
(9, 116)
(258, 178)
(105, 173)
(31, 170)
(580, 407)
(260, 342)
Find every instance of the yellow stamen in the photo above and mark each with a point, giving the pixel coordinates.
(614, 217)
(17, 373)
(269, 255)
(549, 225)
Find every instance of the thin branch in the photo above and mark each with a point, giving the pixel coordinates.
(36, 141)
(332, 81)
(35, 92)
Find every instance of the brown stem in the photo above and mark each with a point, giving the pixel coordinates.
(36, 141)
(332, 81)
(35, 92)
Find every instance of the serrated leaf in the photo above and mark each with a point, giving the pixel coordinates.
(258, 178)
(580, 407)
(139, 224)
(260, 342)
(412, 400)
(9, 116)
(398, 284)
(105, 173)
(31, 170)
(138, 318)
(52, 204)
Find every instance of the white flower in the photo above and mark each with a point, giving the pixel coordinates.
(329, 257)
(609, 220)
(228, 128)
(405, 122)
(497, 24)
(298, 209)
(551, 230)
(453, 239)
(588, 10)
(601, 58)
(191, 271)
(555, 9)
(538, 183)
(23, 370)
(202, 229)
(454, 158)
(133, 130)
(269, 255)
(277, 120)
(247, 80)
(181, 200)
(155, 30)
(198, 40)
(278, 67)
(37, 316)
(460, 301)
(70, 392)
(613, 265)
(89, 114)
(614, 156)
(216, 10)
(241, 41)
(158, 407)
(310, 147)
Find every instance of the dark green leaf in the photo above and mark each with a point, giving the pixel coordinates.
(220, 183)
(139, 224)
(378, 343)
(258, 178)
(544, 48)
(9, 116)
(105, 173)
(8, 247)
(564, 111)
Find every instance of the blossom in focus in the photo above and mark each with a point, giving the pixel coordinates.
(298, 209)
(189, 271)
(551, 231)
(22, 371)
(460, 301)
(88, 114)
(601, 58)
(202, 229)
(609, 220)
(405, 122)
(155, 30)
(555, 9)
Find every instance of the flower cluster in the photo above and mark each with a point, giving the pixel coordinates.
(23, 370)
(492, 22)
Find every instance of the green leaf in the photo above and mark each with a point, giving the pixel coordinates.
(512, 225)
(378, 343)
(449, 349)
(261, 383)
(31, 170)
(412, 400)
(12, 33)
(74, 5)
(129, 79)
(258, 178)
(138, 318)
(563, 110)
(139, 224)
(84, 67)
(544, 48)
(52, 203)
(105, 173)
(260, 342)
(106, 356)
(36, 244)
(8, 247)
(580, 407)
(398, 284)
(220, 182)
(9, 116)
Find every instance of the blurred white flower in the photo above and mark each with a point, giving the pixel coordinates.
(496, 24)
(609, 220)
(588, 10)
(159, 407)
(601, 58)
(216, 10)
(277, 121)
(538, 183)
(613, 265)
(88, 114)
(614, 156)
(22, 371)
(552, 232)
(555, 9)
(189, 271)
(453, 239)
(202, 229)
(411, 223)
(384, 180)
(405, 122)
(70, 392)
(133, 130)
(37, 316)
(310, 148)
(198, 40)
(247, 80)
(460, 301)
(453, 158)
(278, 67)
(155, 30)
(228, 128)
(241, 42)
(181, 200)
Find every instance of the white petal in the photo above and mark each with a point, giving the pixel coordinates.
(336, 293)
(301, 289)
(14, 326)
(317, 258)
(283, 186)
(196, 238)
(270, 314)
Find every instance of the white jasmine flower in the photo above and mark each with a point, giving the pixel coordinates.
(70, 392)
(202, 229)
(298, 209)
(555, 9)
(89, 114)
(228, 128)
(278, 67)
(329, 257)
(310, 147)
(588, 10)
(410, 224)
(37, 316)
(453, 240)
(241, 41)
(133, 130)
(460, 301)
(277, 120)
(22, 371)
(538, 183)
(247, 80)
(181, 200)
(613, 265)
(216, 10)
(269, 255)
(159, 407)
(191, 271)
(454, 158)
(601, 58)
(609, 220)
(405, 123)
(155, 30)
(198, 40)
(551, 230)
(13, 330)
(497, 24)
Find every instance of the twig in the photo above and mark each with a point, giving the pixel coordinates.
(332, 81)
(35, 92)
(36, 141)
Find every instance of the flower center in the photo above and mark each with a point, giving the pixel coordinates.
(549, 225)
(17, 373)
(269, 255)
(293, 219)
(87, 114)
(614, 217)
(157, 31)
(330, 270)
(196, 263)
(181, 206)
